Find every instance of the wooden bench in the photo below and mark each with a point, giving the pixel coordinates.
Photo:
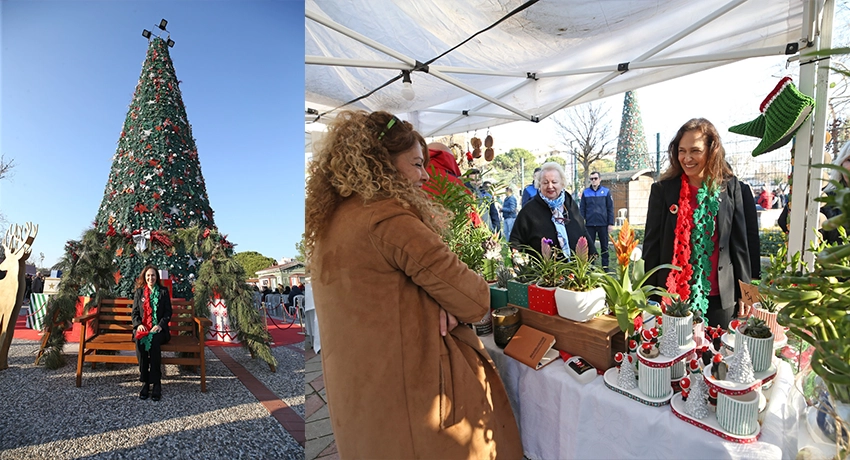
(110, 328)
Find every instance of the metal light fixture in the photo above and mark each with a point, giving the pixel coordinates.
(170, 43)
(407, 92)
(146, 33)
(162, 24)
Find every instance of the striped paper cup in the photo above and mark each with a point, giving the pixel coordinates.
(654, 381)
(761, 350)
(738, 414)
(684, 327)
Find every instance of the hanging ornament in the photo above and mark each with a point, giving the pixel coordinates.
(141, 239)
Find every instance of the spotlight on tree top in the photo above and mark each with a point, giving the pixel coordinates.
(170, 43)
(162, 24)
(146, 33)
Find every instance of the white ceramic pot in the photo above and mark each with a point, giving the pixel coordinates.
(684, 327)
(579, 306)
(654, 381)
(738, 414)
(761, 349)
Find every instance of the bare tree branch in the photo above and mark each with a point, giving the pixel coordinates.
(586, 131)
(5, 166)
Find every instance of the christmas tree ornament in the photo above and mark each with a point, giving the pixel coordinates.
(740, 365)
(669, 343)
(626, 377)
(697, 403)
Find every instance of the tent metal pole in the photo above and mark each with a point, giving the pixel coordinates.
(343, 62)
(474, 91)
(477, 107)
(809, 149)
(360, 38)
(652, 52)
(728, 56)
(473, 113)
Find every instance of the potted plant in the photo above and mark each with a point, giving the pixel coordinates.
(759, 342)
(499, 290)
(518, 285)
(625, 292)
(547, 269)
(677, 317)
(580, 297)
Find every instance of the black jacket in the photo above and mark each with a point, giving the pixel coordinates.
(753, 240)
(163, 311)
(734, 261)
(535, 222)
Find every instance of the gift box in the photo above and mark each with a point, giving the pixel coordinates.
(597, 340)
(498, 297)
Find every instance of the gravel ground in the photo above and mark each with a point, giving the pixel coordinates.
(43, 415)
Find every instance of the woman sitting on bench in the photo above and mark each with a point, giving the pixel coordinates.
(151, 314)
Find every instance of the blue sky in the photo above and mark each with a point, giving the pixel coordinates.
(68, 70)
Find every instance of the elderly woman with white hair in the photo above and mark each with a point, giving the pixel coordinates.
(551, 214)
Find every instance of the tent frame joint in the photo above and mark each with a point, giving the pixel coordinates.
(531, 75)
(623, 67)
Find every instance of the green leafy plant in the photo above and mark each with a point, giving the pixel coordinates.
(581, 273)
(503, 275)
(548, 267)
(767, 303)
(756, 328)
(625, 292)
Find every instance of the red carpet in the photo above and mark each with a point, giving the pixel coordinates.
(282, 334)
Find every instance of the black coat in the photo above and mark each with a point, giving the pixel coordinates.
(734, 260)
(163, 311)
(535, 222)
(753, 240)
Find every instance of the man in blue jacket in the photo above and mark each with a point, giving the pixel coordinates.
(509, 211)
(597, 208)
(530, 190)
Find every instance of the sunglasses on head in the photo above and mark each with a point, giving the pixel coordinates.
(393, 121)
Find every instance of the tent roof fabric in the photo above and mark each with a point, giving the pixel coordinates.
(550, 55)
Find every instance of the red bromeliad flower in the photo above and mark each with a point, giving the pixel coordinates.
(624, 244)
(581, 249)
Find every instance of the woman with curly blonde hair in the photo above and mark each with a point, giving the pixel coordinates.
(402, 381)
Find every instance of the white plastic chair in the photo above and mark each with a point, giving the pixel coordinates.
(621, 216)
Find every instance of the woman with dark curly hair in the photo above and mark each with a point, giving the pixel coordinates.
(402, 380)
(696, 220)
(151, 314)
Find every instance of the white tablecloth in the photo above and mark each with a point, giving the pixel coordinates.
(560, 418)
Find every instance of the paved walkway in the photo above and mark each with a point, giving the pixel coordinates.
(320, 437)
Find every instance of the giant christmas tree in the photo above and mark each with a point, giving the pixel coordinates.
(155, 186)
(631, 145)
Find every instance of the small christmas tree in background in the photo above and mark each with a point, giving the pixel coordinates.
(155, 185)
(626, 377)
(631, 144)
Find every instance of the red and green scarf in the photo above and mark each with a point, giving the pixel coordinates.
(692, 247)
(150, 299)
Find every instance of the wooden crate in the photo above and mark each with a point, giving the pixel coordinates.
(597, 340)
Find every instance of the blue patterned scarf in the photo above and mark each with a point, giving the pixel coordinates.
(557, 208)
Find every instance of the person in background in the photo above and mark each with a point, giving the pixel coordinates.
(551, 214)
(778, 199)
(752, 218)
(826, 211)
(493, 207)
(509, 211)
(696, 208)
(296, 290)
(151, 314)
(765, 199)
(429, 388)
(38, 283)
(597, 208)
(530, 190)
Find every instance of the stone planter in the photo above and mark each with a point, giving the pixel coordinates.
(498, 297)
(761, 349)
(517, 293)
(579, 306)
(684, 327)
(542, 299)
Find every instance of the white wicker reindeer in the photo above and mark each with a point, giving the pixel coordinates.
(17, 246)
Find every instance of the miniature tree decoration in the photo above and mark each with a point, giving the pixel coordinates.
(697, 404)
(626, 377)
(669, 343)
(741, 365)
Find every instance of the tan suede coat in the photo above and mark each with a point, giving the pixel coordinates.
(396, 388)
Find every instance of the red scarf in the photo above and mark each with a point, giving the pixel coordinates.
(147, 314)
(679, 281)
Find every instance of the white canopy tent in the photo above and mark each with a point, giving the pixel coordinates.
(548, 55)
